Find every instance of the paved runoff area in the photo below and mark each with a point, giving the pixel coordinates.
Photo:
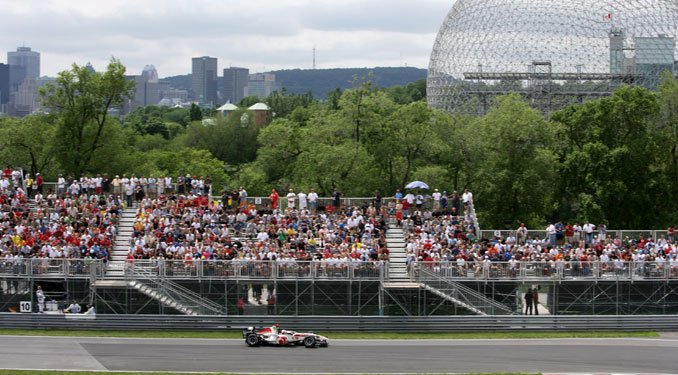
(552, 356)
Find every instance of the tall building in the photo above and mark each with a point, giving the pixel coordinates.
(204, 76)
(262, 85)
(4, 85)
(234, 84)
(147, 88)
(30, 60)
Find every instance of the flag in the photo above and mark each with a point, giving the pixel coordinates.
(607, 17)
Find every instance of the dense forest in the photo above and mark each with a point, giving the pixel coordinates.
(612, 160)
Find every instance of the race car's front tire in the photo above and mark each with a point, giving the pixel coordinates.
(310, 342)
(252, 340)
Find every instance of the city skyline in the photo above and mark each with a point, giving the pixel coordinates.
(262, 35)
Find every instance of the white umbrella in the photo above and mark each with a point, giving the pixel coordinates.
(416, 185)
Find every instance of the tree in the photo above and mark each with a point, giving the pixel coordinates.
(28, 142)
(514, 167)
(225, 138)
(610, 160)
(666, 135)
(195, 112)
(81, 100)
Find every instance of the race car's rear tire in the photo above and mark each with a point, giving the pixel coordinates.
(252, 340)
(310, 342)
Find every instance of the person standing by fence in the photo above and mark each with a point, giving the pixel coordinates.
(271, 304)
(40, 296)
(535, 300)
(528, 302)
(241, 306)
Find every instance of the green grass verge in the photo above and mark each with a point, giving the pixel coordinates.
(48, 372)
(334, 335)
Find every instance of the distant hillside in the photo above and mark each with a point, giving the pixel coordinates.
(322, 81)
(182, 82)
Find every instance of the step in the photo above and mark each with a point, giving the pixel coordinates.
(109, 284)
(400, 285)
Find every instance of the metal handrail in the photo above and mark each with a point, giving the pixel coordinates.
(461, 292)
(51, 267)
(611, 234)
(179, 294)
(551, 270)
(252, 269)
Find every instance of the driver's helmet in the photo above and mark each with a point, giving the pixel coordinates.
(277, 325)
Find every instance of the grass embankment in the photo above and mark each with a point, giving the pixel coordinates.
(47, 372)
(334, 335)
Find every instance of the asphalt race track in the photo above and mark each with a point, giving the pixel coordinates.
(629, 356)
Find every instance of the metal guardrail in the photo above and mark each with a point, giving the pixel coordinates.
(246, 269)
(51, 267)
(346, 270)
(344, 323)
(547, 270)
(609, 234)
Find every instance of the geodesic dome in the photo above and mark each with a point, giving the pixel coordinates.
(554, 52)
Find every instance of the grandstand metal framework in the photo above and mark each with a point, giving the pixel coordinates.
(553, 53)
(495, 288)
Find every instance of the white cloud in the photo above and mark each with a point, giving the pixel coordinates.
(259, 34)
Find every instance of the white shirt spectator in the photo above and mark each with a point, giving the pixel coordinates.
(302, 200)
(291, 199)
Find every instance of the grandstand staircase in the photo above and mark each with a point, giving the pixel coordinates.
(395, 242)
(144, 278)
(461, 295)
(471, 214)
(116, 265)
(171, 294)
(399, 281)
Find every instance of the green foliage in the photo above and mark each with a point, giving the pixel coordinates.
(81, 100)
(610, 160)
(514, 167)
(282, 104)
(27, 143)
(249, 101)
(409, 93)
(165, 121)
(226, 138)
(195, 113)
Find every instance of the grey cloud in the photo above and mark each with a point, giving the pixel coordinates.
(264, 33)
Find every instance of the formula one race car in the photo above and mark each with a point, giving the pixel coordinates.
(281, 337)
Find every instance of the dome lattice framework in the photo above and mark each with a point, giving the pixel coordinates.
(553, 52)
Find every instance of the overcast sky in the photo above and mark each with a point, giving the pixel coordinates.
(261, 35)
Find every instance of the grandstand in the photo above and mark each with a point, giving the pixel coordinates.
(186, 253)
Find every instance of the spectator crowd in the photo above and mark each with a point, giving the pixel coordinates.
(188, 227)
(76, 226)
(177, 220)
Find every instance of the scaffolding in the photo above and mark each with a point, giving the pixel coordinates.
(351, 289)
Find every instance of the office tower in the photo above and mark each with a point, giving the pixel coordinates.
(262, 85)
(204, 77)
(4, 84)
(147, 88)
(234, 84)
(30, 60)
